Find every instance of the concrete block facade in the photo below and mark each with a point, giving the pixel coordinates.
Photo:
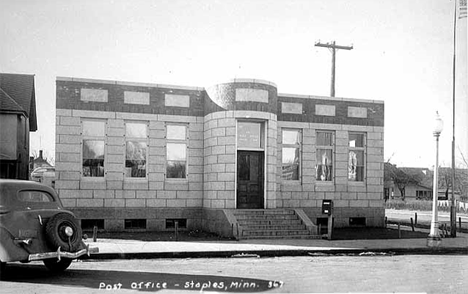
(174, 153)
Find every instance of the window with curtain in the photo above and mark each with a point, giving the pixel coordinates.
(291, 154)
(356, 157)
(176, 151)
(93, 148)
(136, 149)
(324, 156)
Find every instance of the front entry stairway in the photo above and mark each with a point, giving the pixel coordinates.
(271, 224)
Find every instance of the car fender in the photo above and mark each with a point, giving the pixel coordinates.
(9, 250)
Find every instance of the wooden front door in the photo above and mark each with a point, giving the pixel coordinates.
(250, 179)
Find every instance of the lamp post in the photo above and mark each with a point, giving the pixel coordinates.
(434, 240)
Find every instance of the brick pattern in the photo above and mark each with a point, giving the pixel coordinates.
(253, 95)
(222, 97)
(220, 160)
(68, 97)
(114, 190)
(211, 154)
(375, 111)
(309, 193)
(295, 108)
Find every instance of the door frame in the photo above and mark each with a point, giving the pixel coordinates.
(261, 157)
(264, 126)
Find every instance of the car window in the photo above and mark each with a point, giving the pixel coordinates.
(34, 196)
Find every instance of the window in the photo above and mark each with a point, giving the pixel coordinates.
(176, 151)
(356, 158)
(324, 167)
(135, 224)
(94, 136)
(171, 223)
(34, 196)
(250, 135)
(423, 195)
(291, 154)
(357, 221)
(89, 224)
(136, 143)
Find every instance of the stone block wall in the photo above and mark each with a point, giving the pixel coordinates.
(220, 157)
(211, 117)
(114, 190)
(348, 196)
(220, 160)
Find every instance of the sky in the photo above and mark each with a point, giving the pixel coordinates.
(402, 54)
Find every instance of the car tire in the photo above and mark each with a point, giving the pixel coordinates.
(56, 236)
(2, 268)
(57, 266)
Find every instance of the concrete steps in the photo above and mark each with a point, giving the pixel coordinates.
(271, 224)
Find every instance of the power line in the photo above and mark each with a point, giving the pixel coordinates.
(333, 48)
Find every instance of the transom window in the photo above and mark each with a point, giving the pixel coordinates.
(291, 154)
(176, 151)
(94, 137)
(324, 156)
(250, 135)
(136, 143)
(356, 158)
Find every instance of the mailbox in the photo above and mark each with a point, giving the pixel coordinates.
(327, 206)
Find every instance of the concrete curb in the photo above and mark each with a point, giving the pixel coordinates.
(280, 253)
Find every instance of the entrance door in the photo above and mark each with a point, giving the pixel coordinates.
(249, 179)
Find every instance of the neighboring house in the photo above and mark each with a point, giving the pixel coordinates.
(419, 184)
(40, 161)
(142, 156)
(17, 119)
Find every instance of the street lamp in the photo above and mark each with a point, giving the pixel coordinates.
(434, 240)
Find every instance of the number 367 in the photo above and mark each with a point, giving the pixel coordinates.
(275, 284)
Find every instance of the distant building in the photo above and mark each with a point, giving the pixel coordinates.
(419, 184)
(142, 156)
(17, 119)
(40, 161)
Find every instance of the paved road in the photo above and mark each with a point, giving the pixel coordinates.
(339, 274)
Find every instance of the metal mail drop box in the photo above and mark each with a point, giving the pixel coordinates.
(327, 206)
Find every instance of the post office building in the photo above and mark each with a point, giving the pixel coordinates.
(236, 158)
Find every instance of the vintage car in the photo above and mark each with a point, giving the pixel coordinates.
(35, 226)
(39, 173)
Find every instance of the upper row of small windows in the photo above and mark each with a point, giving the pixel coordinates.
(134, 97)
(255, 95)
(323, 110)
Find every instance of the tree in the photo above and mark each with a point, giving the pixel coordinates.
(401, 177)
(461, 182)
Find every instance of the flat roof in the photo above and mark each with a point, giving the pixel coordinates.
(329, 98)
(257, 81)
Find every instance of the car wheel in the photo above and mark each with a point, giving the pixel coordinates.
(63, 231)
(57, 266)
(2, 267)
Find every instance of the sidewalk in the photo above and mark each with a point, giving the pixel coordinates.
(133, 249)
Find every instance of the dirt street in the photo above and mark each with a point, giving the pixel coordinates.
(408, 273)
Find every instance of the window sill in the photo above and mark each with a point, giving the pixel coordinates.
(126, 179)
(176, 180)
(291, 182)
(325, 183)
(93, 179)
(356, 183)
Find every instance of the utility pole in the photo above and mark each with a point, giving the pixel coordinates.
(461, 9)
(333, 48)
